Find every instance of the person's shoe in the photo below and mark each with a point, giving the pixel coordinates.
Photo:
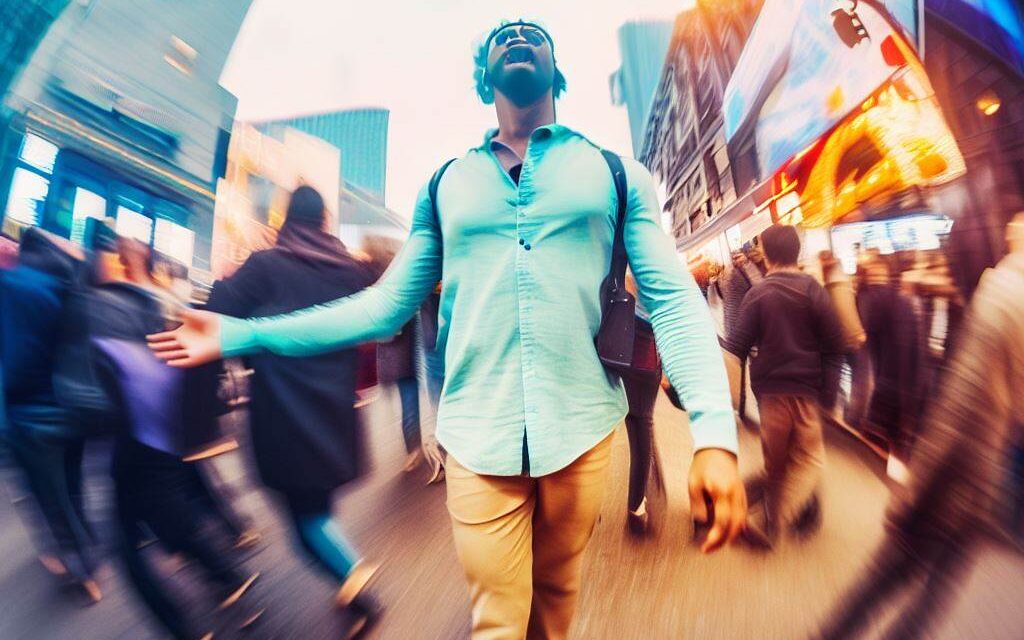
(810, 520)
(249, 539)
(251, 618)
(757, 538)
(364, 611)
(758, 532)
(638, 522)
(358, 578)
(238, 592)
(91, 589)
(53, 565)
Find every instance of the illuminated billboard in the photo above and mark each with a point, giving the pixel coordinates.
(806, 66)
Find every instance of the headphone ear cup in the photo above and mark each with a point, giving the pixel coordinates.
(485, 88)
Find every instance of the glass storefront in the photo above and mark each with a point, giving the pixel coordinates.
(61, 190)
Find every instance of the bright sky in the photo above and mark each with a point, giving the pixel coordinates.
(415, 58)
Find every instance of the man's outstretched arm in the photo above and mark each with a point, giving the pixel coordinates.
(377, 312)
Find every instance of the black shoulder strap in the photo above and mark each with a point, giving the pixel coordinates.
(617, 271)
(435, 182)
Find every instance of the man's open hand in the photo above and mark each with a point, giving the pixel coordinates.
(195, 342)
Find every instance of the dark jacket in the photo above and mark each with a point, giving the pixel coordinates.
(32, 298)
(302, 413)
(789, 318)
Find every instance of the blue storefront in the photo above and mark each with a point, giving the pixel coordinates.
(119, 114)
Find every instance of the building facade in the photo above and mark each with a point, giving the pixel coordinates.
(642, 47)
(119, 114)
(265, 165)
(684, 145)
(362, 137)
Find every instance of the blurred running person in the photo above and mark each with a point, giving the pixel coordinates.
(791, 333)
(42, 436)
(304, 426)
(642, 381)
(524, 229)
(156, 491)
(962, 470)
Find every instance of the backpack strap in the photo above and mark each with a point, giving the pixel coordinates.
(617, 271)
(435, 182)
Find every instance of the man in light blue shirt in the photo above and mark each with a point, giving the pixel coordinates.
(521, 242)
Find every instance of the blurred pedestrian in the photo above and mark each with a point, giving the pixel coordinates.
(841, 292)
(962, 483)
(43, 437)
(305, 431)
(524, 229)
(793, 337)
(642, 380)
(748, 268)
(396, 366)
(157, 493)
(431, 378)
(396, 358)
(894, 344)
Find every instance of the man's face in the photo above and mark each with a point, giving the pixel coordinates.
(520, 64)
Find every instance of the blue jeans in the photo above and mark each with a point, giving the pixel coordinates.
(319, 534)
(409, 392)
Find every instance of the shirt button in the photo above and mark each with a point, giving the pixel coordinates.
(527, 247)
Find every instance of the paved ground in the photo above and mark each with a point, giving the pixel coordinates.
(660, 588)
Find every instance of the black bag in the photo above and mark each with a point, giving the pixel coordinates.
(615, 337)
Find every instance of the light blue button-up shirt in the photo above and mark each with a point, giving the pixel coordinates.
(521, 267)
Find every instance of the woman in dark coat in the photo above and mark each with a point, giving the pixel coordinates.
(303, 420)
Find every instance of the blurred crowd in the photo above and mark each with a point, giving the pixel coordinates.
(895, 353)
(77, 369)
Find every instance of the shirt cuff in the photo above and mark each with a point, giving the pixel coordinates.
(715, 432)
(237, 337)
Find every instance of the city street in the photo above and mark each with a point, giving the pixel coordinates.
(659, 588)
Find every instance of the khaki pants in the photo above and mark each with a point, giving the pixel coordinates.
(794, 454)
(521, 543)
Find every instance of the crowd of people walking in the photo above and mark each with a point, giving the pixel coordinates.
(502, 309)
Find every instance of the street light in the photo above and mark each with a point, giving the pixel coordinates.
(988, 102)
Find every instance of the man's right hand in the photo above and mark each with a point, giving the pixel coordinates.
(195, 342)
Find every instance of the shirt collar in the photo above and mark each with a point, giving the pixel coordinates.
(548, 131)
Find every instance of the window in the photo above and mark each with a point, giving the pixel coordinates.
(133, 224)
(174, 240)
(28, 196)
(38, 153)
(30, 183)
(87, 205)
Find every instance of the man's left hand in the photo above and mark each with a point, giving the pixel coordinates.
(715, 477)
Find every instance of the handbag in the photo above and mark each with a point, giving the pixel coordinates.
(616, 336)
